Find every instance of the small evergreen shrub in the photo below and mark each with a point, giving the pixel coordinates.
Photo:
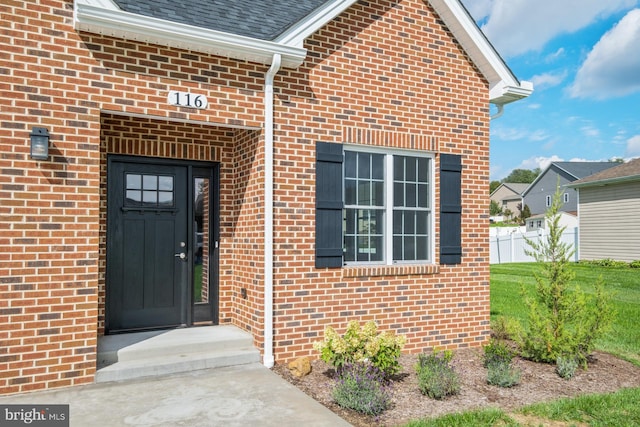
(566, 367)
(363, 388)
(502, 374)
(562, 318)
(634, 264)
(497, 351)
(361, 344)
(436, 377)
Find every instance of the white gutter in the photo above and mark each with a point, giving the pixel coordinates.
(268, 359)
(104, 17)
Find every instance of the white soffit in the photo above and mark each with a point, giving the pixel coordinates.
(503, 85)
(104, 17)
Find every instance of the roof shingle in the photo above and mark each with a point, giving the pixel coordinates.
(630, 169)
(260, 19)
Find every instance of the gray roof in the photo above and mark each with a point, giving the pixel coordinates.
(516, 187)
(583, 169)
(622, 171)
(260, 19)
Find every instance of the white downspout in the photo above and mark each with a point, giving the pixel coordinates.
(499, 113)
(268, 360)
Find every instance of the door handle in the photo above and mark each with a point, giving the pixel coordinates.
(180, 255)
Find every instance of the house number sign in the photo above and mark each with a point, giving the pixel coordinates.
(187, 99)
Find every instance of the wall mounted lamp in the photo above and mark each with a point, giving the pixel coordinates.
(39, 143)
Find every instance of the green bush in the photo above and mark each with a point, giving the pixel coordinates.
(436, 377)
(365, 344)
(566, 367)
(363, 388)
(562, 319)
(502, 374)
(497, 351)
(607, 262)
(634, 264)
(505, 328)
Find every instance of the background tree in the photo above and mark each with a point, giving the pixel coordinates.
(493, 185)
(523, 176)
(494, 208)
(525, 213)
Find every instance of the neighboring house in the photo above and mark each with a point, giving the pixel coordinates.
(608, 206)
(539, 194)
(337, 153)
(538, 222)
(509, 197)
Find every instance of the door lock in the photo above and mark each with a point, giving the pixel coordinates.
(181, 255)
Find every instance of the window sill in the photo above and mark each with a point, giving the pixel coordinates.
(390, 270)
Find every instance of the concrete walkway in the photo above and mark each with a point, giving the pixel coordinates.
(246, 395)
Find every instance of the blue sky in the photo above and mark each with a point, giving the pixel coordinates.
(583, 57)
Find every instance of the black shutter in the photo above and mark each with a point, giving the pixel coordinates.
(329, 205)
(450, 209)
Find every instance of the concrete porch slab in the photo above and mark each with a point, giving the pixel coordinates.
(155, 353)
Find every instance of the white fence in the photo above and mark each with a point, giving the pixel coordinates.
(512, 247)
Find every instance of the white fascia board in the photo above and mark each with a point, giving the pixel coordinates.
(104, 17)
(296, 35)
(504, 86)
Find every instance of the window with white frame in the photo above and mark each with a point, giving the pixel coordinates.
(565, 197)
(548, 202)
(387, 207)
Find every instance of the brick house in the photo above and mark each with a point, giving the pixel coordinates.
(280, 169)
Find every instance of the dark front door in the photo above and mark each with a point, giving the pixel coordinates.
(153, 246)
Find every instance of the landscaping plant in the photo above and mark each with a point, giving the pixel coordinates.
(361, 344)
(566, 367)
(363, 388)
(563, 320)
(503, 374)
(497, 351)
(436, 376)
(498, 358)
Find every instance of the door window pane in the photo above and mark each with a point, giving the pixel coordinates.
(201, 221)
(149, 191)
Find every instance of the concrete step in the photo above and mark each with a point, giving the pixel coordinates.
(145, 354)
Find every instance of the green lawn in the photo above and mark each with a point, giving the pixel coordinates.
(614, 409)
(624, 338)
(620, 409)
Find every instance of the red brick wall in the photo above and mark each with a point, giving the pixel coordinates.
(384, 73)
(414, 90)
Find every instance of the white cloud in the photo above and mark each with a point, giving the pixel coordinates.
(612, 68)
(508, 134)
(538, 135)
(547, 80)
(518, 134)
(555, 55)
(590, 131)
(633, 147)
(518, 26)
(479, 9)
(538, 162)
